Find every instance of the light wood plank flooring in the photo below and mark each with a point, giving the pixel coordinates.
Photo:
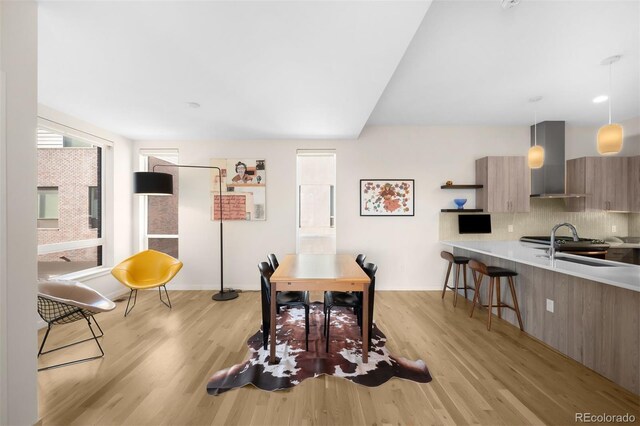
(158, 362)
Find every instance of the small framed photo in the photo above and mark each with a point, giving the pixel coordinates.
(387, 197)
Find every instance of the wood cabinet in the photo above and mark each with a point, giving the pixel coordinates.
(605, 180)
(506, 184)
(634, 184)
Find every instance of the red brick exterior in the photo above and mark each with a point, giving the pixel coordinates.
(163, 211)
(72, 171)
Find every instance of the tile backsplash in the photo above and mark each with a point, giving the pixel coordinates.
(544, 214)
(634, 225)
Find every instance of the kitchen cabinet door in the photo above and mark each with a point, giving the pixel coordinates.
(634, 184)
(519, 184)
(506, 184)
(605, 180)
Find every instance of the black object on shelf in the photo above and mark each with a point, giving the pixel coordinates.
(461, 210)
(460, 186)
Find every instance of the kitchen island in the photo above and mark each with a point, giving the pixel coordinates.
(595, 317)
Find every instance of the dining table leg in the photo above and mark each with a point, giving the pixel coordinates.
(272, 328)
(365, 324)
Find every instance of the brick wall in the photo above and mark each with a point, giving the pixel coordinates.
(73, 171)
(163, 211)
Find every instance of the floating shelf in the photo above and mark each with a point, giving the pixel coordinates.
(461, 186)
(461, 210)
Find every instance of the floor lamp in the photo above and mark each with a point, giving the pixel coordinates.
(157, 183)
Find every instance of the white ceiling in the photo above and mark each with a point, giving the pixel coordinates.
(477, 63)
(316, 69)
(258, 69)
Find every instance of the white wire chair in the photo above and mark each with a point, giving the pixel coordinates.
(63, 302)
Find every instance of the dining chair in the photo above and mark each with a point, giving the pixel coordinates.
(360, 259)
(351, 300)
(283, 298)
(273, 260)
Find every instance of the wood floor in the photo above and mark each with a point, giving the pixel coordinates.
(158, 362)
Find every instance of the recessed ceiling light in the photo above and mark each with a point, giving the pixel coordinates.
(193, 105)
(600, 99)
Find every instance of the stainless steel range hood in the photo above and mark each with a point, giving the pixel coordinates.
(549, 181)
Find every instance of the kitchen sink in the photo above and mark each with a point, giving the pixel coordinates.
(585, 262)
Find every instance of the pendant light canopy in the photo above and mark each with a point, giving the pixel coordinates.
(610, 136)
(536, 152)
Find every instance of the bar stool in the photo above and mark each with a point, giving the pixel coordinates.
(457, 260)
(494, 273)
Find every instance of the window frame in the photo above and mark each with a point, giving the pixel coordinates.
(167, 154)
(106, 171)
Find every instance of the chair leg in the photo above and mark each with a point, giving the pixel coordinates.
(328, 323)
(77, 361)
(464, 276)
(265, 335)
(498, 299)
(306, 326)
(491, 283)
(455, 285)
(168, 305)
(515, 301)
(135, 299)
(446, 280)
(476, 295)
(44, 340)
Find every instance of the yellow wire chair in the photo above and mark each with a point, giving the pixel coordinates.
(145, 270)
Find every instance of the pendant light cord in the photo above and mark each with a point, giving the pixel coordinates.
(610, 93)
(535, 128)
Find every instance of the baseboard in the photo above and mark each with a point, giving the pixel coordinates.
(209, 287)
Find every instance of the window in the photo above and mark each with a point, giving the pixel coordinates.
(159, 219)
(47, 207)
(70, 203)
(94, 207)
(316, 230)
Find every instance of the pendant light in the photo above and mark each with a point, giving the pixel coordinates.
(610, 136)
(536, 152)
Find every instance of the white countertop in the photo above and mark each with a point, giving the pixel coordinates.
(612, 273)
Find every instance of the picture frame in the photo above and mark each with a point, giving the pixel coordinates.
(387, 197)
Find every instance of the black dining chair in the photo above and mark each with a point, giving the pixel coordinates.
(351, 300)
(273, 260)
(360, 259)
(284, 298)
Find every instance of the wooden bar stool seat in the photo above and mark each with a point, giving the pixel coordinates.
(494, 273)
(455, 260)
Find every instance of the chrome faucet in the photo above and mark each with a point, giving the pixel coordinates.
(552, 249)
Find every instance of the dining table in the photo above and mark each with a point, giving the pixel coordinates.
(320, 272)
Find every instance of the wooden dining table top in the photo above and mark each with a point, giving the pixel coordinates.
(319, 267)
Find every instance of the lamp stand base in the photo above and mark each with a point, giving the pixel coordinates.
(227, 295)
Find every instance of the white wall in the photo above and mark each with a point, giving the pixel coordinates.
(18, 345)
(118, 230)
(405, 248)
(580, 141)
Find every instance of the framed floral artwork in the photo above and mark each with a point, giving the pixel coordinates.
(387, 197)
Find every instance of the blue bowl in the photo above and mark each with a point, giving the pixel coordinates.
(460, 202)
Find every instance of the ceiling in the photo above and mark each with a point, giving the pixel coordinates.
(325, 69)
(258, 69)
(477, 63)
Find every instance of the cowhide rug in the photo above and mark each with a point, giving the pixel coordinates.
(343, 360)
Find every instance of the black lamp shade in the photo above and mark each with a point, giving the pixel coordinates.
(152, 183)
